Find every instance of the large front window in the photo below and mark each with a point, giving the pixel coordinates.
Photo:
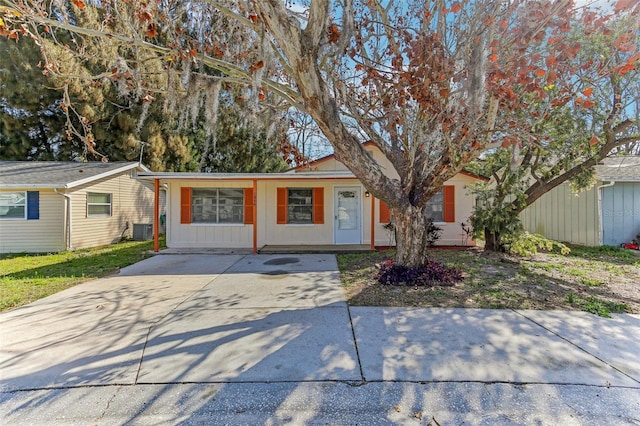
(98, 204)
(217, 205)
(13, 205)
(300, 205)
(435, 207)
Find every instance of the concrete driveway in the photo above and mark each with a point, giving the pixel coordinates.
(269, 339)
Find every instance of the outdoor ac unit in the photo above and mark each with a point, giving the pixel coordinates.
(142, 231)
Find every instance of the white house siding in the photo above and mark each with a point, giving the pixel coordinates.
(132, 202)
(452, 232)
(269, 232)
(561, 215)
(620, 213)
(204, 235)
(42, 235)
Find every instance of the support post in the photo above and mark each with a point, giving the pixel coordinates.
(255, 216)
(156, 215)
(373, 222)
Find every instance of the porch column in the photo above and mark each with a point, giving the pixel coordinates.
(255, 216)
(373, 222)
(156, 215)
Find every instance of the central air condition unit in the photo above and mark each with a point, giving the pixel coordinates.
(142, 231)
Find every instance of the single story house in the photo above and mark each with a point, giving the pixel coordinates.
(48, 206)
(606, 214)
(321, 204)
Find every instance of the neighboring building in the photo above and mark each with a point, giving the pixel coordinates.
(606, 214)
(322, 204)
(48, 206)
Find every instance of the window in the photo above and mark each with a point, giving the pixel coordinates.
(13, 205)
(217, 205)
(435, 207)
(300, 205)
(98, 204)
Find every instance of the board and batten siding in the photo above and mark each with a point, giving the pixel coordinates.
(44, 235)
(620, 213)
(204, 235)
(562, 215)
(132, 202)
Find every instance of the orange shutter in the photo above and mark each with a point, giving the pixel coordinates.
(385, 213)
(449, 207)
(281, 216)
(185, 205)
(318, 206)
(248, 206)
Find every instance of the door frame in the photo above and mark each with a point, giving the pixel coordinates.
(359, 190)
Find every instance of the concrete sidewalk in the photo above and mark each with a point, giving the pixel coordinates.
(269, 339)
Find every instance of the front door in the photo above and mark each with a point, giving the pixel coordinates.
(347, 223)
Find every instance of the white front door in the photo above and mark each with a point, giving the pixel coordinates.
(347, 223)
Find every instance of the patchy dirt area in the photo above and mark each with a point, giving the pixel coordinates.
(600, 280)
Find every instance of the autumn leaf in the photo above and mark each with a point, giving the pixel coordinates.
(594, 141)
(144, 16)
(455, 7)
(253, 18)
(256, 66)
(587, 92)
(79, 4)
(152, 31)
(588, 104)
(624, 5)
(493, 58)
(333, 33)
(217, 51)
(540, 72)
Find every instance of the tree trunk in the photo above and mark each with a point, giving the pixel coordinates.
(490, 242)
(411, 236)
(493, 241)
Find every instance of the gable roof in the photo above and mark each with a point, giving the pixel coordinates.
(59, 174)
(310, 164)
(622, 169)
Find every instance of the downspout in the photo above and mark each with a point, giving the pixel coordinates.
(67, 220)
(607, 185)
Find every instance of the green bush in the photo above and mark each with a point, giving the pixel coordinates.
(526, 244)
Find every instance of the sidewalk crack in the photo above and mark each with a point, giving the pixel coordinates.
(355, 344)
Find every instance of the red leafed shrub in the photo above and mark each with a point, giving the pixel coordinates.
(433, 273)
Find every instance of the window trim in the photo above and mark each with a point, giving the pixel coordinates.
(25, 206)
(317, 205)
(110, 204)
(441, 191)
(309, 205)
(243, 207)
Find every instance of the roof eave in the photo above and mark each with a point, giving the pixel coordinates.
(119, 170)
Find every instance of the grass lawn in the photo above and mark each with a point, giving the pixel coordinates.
(28, 277)
(600, 280)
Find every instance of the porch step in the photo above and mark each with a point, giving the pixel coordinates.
(310, 249)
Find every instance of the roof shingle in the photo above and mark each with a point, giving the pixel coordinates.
(56, 174)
